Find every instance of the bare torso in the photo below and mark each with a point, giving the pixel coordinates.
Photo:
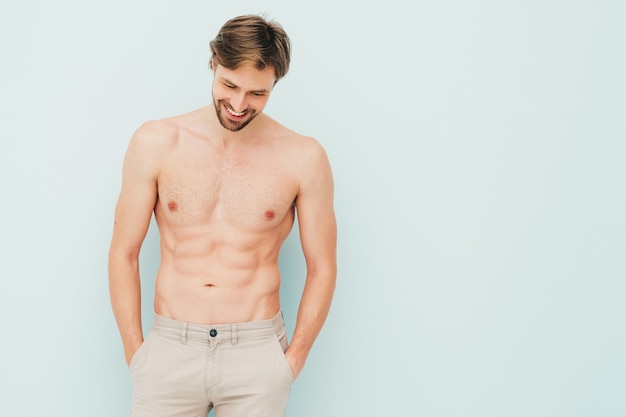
(223, 211)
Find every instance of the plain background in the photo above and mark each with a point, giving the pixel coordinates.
(479, 155)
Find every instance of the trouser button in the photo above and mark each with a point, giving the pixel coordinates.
(213, 332)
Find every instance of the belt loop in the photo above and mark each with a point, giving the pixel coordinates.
(183, 333)
(233, 334)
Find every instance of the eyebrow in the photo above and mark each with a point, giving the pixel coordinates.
(227, 81)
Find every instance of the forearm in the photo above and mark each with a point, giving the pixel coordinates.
(125, 293)
(312, 313)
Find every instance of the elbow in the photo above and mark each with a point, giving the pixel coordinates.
(325, 273)
(120, 259)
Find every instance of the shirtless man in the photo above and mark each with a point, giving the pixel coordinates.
(225, 183)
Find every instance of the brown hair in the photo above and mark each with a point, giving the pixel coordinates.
(255, 40)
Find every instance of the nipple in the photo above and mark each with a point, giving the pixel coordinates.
(269, 214)
(172, 205)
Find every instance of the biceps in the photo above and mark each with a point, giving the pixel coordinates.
(132, 217)
(318, 232)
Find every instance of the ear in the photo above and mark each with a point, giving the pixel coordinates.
(212, 63)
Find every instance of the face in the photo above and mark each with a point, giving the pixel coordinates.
(239, 95)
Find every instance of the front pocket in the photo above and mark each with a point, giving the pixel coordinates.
(137, 358)
(283, 358)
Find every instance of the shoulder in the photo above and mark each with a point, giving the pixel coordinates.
(304, 146)
(150, 145)
(165, 134)
(309, 150)
(155, 135)
(307, 156)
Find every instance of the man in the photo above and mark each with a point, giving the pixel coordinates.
(225, 183)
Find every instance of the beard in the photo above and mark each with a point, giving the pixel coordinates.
(229, 124)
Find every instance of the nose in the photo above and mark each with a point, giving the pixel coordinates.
(238, 103)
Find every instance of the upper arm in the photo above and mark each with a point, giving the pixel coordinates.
(316, 215)
(139, 190)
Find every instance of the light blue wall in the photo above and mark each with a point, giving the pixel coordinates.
(479, 156)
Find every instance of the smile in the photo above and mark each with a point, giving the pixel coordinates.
(234, 113)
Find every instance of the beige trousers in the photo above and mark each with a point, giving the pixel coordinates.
(185, 370)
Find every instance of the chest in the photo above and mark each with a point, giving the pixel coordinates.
(251, 190)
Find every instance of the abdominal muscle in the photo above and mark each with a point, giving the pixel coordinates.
(213, 280)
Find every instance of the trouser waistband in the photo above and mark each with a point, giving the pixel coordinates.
(215, 332)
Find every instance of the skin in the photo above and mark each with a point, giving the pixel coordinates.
(224, 198)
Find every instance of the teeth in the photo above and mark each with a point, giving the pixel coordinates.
(234, 113)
